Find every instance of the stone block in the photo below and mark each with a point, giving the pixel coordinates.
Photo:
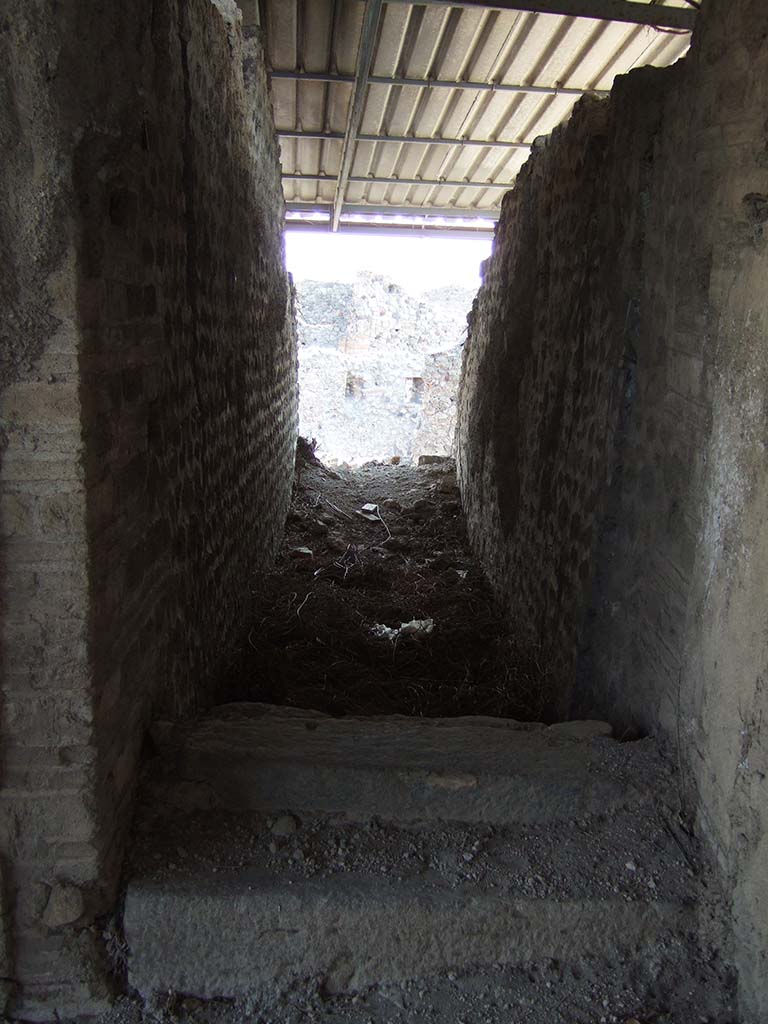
(264, 758)
(238, 936)
(54, 404)
(17, 515)
(20, 467)
(65, 906)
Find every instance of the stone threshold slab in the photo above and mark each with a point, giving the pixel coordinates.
(260, 758)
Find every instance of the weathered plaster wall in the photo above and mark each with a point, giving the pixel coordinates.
(46, 817)
(148, 417)
(675, 636)
(632, 370)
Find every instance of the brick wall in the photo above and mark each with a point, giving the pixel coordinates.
(549, 351)
(612, 430)
(47, 827)
(149, 416)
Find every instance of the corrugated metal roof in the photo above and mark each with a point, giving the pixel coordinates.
(472, 85)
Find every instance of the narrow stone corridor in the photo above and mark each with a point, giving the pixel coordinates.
(481, 744)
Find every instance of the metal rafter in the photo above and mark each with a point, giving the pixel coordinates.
(336, 212)
(629, 11)
(423, 140)
(374, 210)
(423, 228)
(535, 90)
(359, 179)
(357, 103)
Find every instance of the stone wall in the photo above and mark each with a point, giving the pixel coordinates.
(148, 423)
(550, 349)
(379, 368)
(47, 827)
(615, 378)
(436, 430)
(675, 636)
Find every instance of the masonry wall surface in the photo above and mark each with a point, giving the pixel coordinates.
(148, 426)
(550, 349)
(617, 380)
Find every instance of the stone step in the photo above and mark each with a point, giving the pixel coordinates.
(240, 934)
(263, 758)
(266, 899)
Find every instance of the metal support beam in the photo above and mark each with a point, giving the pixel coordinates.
(424, 140)
(540, 90)
(436, 182)
(372, 210)
(630, 11)
(424, 229)
(292, 133)
(357, 103)
(435, 83)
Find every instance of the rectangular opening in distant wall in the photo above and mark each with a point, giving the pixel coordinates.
(382, 320)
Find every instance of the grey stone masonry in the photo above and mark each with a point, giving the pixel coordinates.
(148, 416)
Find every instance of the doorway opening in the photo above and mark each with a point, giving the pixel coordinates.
(381, 323)
(377, 605)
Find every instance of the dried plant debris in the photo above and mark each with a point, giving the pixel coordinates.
(377, 606)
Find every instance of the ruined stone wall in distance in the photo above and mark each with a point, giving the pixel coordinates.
(149, 420)
(648, 596)
(369, 352)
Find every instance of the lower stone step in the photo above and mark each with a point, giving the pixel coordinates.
(258, 757)
(242, 934)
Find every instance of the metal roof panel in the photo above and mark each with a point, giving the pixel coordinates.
(452, 44)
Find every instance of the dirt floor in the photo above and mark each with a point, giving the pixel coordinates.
(327, 620)
(593, 991)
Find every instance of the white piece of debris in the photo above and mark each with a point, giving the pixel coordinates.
(301, 553)
(383, 632)
(284, 825)
(417, 628)
(370, 512)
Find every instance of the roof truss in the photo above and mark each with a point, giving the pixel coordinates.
(631, 12)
